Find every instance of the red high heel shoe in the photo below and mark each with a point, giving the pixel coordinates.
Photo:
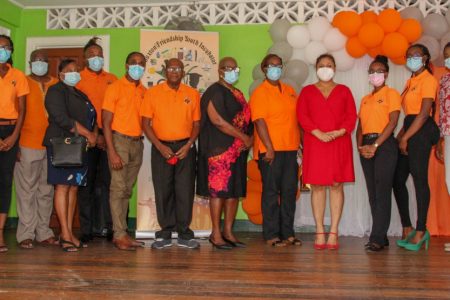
(320, 246)
(333, 246)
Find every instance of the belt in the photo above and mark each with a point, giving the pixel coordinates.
(131, 138)
(371, 135)
(175, 142)
(8, 122)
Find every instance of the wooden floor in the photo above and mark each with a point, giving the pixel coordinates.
(258, 272)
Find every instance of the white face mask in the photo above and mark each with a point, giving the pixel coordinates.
(325, 73)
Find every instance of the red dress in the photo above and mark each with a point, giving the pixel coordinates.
(327, 163)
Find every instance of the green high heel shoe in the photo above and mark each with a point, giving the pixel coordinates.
(416, 247)
(402, 243)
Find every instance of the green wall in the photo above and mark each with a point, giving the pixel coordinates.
(247, 43)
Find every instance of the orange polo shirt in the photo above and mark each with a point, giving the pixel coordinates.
(36, 117)
(375, 109)
(94, 86)
(417, 88)
(173, 112)
(278, 109)
(12, 86)
(123, 98)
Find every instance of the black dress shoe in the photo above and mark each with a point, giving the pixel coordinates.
(374, 247)
(235, 244)
(225, 246)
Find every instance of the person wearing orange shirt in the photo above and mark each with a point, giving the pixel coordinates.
(33, 194)
(13, 91)
(93, 199)
(171, 121)
(123, 136)
(378, 116)
(417, 137)
(277, 140)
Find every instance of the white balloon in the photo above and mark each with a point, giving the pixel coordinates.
(298, 53)
(318, 27)
(313, 51)
(298, 36)
(292, 83)
(297, 70)
(432, 44)
(282, 49)
(278, 30)
(435, 25)
(447, 16)
(334, 40)
(412, 13)
(344, 61)
(257, 73)
(444, 40)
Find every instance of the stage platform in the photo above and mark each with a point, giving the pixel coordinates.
(257, 272)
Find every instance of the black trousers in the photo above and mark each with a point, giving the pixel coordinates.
(416, 164)
(280, 184)
(174, 192)
(7, 163)
(379, 173)
(93, 199)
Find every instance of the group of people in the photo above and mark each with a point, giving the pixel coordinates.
(113, 115)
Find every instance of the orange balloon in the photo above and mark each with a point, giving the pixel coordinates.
(253, 171)
(394, 45)
(411, 30)
(371, 35)
(252, 203)
(369, 17)
(256, 219)
(355, 48)
(399, 60)
(390, 20)
(254, 186)
(348, 23)
(373, 52)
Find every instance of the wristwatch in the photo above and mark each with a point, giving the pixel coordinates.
(375, 145)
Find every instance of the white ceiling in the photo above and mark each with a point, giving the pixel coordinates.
(92, 3)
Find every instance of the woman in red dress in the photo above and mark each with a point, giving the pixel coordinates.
(326, 111)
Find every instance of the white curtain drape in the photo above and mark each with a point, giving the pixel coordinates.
(356, 218)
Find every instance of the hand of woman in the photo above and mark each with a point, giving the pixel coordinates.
(322, 136)
(403, 145)
(336, 133)
(248, 141)
(440, 150)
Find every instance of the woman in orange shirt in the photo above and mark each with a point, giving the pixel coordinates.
(13, 89)
(418, 135)
(378, 116)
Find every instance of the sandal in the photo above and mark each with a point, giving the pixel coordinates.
(70, 248)
(276, 243)
(320, 246)
(293, 241)
(333, 246)
(26, 244)
(50, 241)
(3, 249)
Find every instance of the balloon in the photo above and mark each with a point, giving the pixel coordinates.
(292, 83)
(278, 30)
(256, 219)
(252, 88)
(252, 203)
(348, 22)
(373, 52)
(297, 70)
(432, 44)
(411, 30)
(390, 20)
(355, 48)
(334, 40)
(282, 49)
(435, 25)
(447, 16)
(399, 60)
(371, 35)
(298, 36)
(313, 51)
(318, 27)
(394, 45)
(254, 186)
(344, 61)
(257, 73)
(444, 40)
(298, 54)
(368, 17)
(412, 13)
(253, 170)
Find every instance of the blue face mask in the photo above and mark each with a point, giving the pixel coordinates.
(135, 71)
(414, 63)
(274, 73)
(39, 68)
(71, 78)
(96, 63)
(447, 63)
(231, 76)
(5, 55)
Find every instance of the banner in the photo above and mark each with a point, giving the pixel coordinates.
(199, 51)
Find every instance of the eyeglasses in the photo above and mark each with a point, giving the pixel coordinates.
(236, 69)
(6, 47)
(174, 69)
(413, 56)
(377, 71)
(275, 66)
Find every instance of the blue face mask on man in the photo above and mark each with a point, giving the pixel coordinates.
(71, 78)
(447, 63)
(274, 73)
(96, 63)
(5, 55)
(414, 63)
(135, 71)
(231, 76)
(39, 68)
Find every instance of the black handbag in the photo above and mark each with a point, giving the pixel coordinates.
(68, 151)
